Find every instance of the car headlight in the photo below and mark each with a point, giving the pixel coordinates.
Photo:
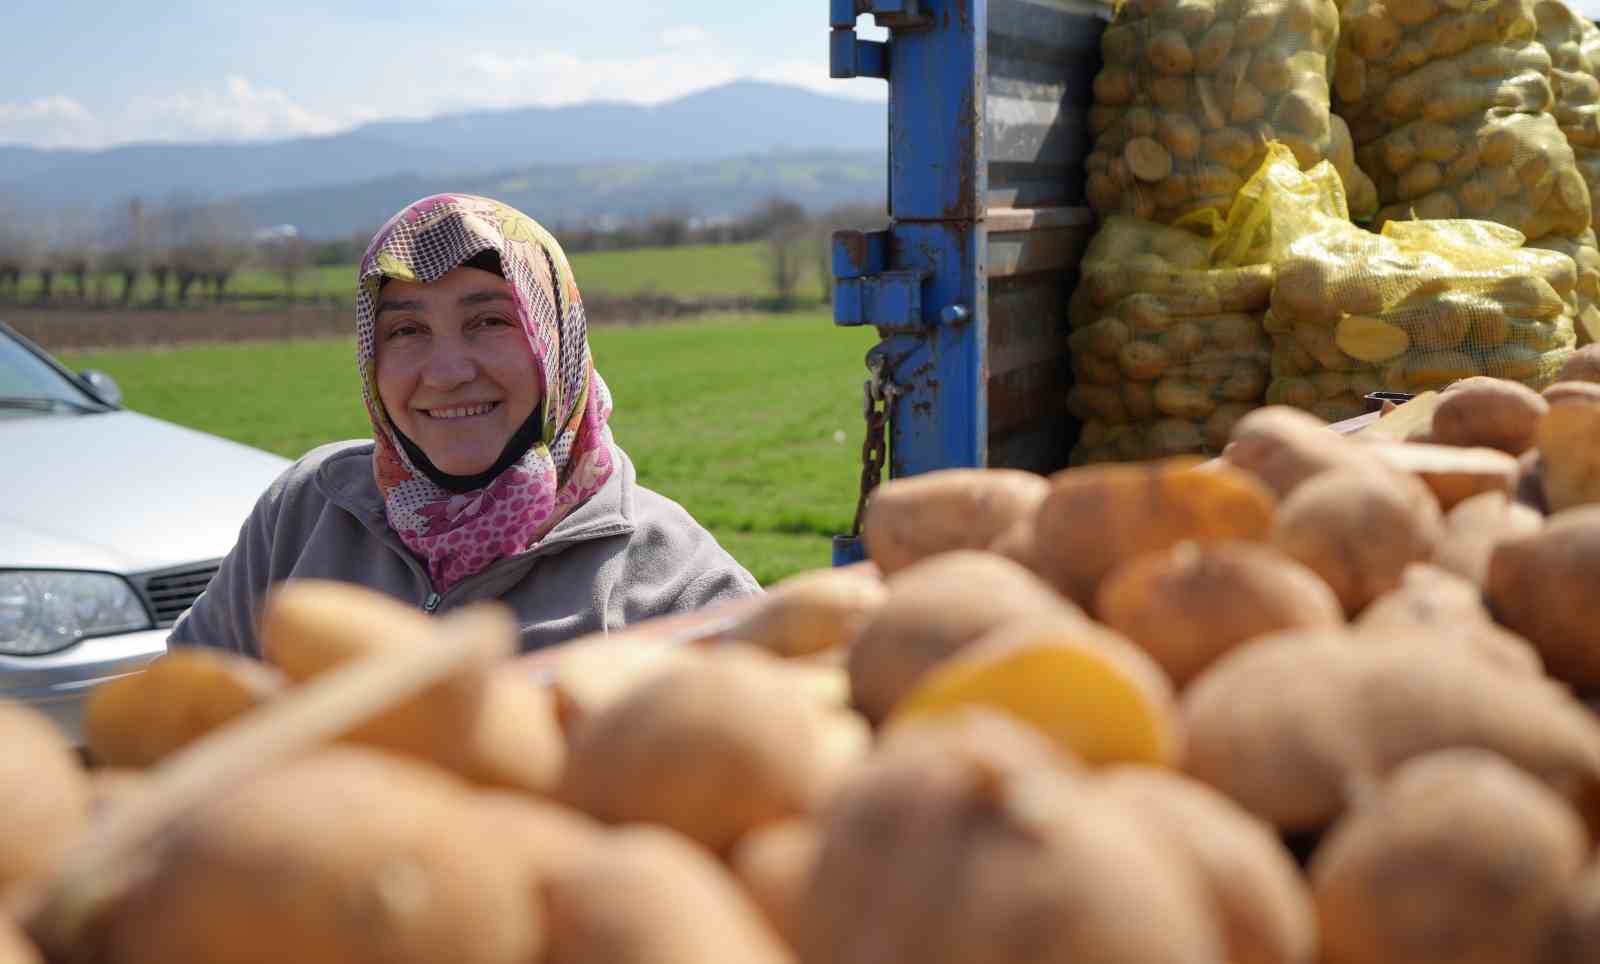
(41, 612)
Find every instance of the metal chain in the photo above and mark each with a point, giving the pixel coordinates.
(879, 394)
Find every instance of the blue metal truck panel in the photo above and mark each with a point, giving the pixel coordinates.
(968, 285)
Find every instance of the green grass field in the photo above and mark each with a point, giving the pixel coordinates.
(690, 271)
(753, 423)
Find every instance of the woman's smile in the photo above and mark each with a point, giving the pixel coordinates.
(458, 412)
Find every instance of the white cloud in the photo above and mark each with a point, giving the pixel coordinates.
(553, 79)
(48, 122)
(689, 64)
(238, 110)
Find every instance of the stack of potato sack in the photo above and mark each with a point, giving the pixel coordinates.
(1167, 353)
(1450, 106)
(1191, 93)
(1577, 111)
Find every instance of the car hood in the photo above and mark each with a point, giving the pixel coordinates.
(122, 492)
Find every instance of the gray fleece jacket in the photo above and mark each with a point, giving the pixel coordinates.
(625, 555)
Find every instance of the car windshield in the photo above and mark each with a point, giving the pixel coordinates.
(30, 384)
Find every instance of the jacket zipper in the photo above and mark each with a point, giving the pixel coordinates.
(432, 602)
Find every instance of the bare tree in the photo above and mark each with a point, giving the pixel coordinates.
(129, 249)
(209, 244)
(18, 247)
(786, 258)
(75, 247)
(283, 250)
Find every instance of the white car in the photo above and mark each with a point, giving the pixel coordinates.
(111, 523)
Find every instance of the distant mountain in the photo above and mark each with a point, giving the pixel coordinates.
(740, 119)
(572, 193)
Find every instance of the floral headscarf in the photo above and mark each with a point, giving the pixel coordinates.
(458, 535)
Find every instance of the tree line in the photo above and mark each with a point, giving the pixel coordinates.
(187, 248)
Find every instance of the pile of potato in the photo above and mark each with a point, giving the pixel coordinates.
(1317, 700)
(1577, 112)
(1413, 310)
(1192, 91)
(1167, 353)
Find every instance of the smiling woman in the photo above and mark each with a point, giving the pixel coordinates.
(492, 473)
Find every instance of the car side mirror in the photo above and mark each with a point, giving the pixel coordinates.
(103, 386)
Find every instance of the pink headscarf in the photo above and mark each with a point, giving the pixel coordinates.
(458, 535)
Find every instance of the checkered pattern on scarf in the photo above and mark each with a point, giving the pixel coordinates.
(459, 535)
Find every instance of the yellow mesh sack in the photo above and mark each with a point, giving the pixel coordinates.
(1509, 76)
(1512, 168)
(1191, 92)
(1383, 41)
(1585, 253)
(1412, 309)
(1167, 352)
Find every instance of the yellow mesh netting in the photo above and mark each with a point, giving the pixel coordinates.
(1168, 345)
(1565, 35)
(1420, 305)
(1192, 91)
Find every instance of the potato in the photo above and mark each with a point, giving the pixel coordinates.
(1284, 447)
(1190, 604)
(1473, 528)
(138, 720)
(1168, 51)
(1358, 531)
(544, 835)
(496, 729)
(774, 866)
(911, 518)
(944, 851)
(1096, 518)
(1569, 450)
(1489, 412)
(1572, 392)
(346, 854)
(1542, 586)
(934, 609)
(1435, 607)
(648, 896)
(712, 747)
(46, 794)
(1451, 473)
(1147, 159)
(1459, 857)
(1370, 339)
(589, 674)
(1582, 365)
(812, 612)
(1297, 727)
(1263, 904)
(1093, 693)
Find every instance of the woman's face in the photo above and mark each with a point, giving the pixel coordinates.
(455, 371)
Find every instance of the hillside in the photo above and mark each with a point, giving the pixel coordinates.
(569, 193)
(737, 120)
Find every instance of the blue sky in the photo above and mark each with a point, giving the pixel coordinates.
(94, 74)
